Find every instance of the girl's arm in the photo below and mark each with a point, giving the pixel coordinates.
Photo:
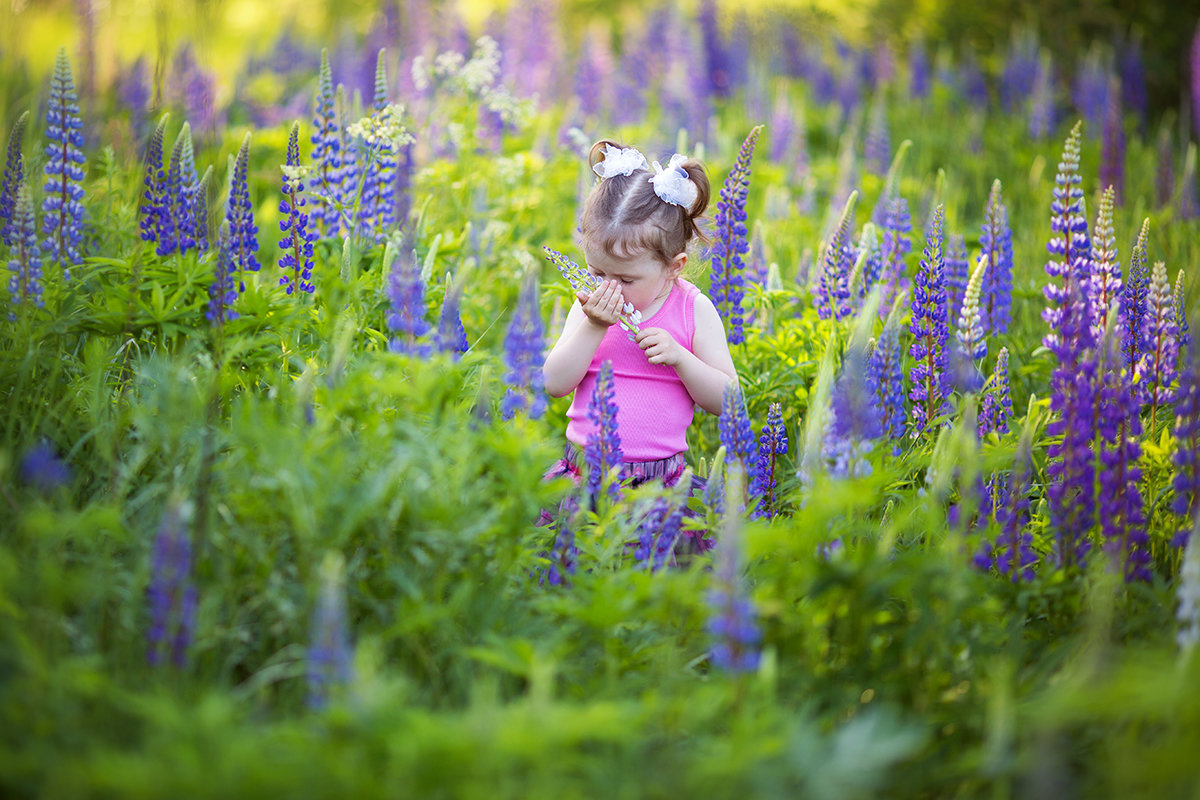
(708, 368)
(586, 324)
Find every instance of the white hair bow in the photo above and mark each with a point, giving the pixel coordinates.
(673, 184)
(619, 161)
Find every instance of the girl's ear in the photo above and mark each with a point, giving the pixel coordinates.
(677, 264)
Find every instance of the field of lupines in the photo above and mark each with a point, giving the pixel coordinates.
(274, 430)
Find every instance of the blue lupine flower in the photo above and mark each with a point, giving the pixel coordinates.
(222, 292)
(14, 174)
(771, 445)
(929, 327)
(832, 293)
(1131, 309)
(1020, 69)
(523, 355)
(602, 450)
(153, 184)
(563, 556)
(895, 247)
(198, 229)
(171, 594)
(872, 265)
(1090, 89)
(877, 148)
(377, 214)
(1068, 246)
(886, 374)
(729, 241)
(330, 655)
(406, 319)
(1160, 344)
(1133, 79)
(25, 286)
(62, 211)
(451, 335)
(170, 208)
(1186, 481)
(1181, 321)
(190, 231)
(1013, 554)
(918, 71)
(326, 153)
(657, 534)
(239, 214)
(736, 434)
(956, 265)
(732, 622)
(297, 242)
(1104, 282)
(350, 169)
(996, 243)
(192, 87)
(41, 468)
(714, 488)
(133, 90)
(1043, 112)
(854, 418)
(1112, 147)
(1120, 505)
(996, 408)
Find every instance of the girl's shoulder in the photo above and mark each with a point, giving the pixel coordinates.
(690, 290)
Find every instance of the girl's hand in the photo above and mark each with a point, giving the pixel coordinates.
(660, 346)
(603, 304)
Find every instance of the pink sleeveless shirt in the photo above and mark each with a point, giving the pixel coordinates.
(654, 408)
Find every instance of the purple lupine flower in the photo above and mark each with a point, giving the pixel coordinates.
(563, 557)
(1119, 502)
(854, 418)
(170, 212)
(1132, 306)
(1181, 321)
(1020, 68)
(736, 434)
(451, 335)
(377, 213)
(41, 468)
(406, 318)
(222, 292)
(771, 445)
(327, 155)
(929, 328)
(523, 355)
(133, 91)
(956, 265)
(593, 76)
(25, 286)
(1068, 256)
(783, 126)
(239, 214)
(832, 293)
(297, 241)
(1186, 481)
(1090, 89)
(1104, 282)
(918, 71)
(714, 488)
(896, 245)
(1013, 554)
(194, 88)
(153, 184)
(1112, 147)
(996, 243)
(14, 175)
(732, 624)
(1133, 80)
(729, 241)
(1160, 344)
(996, 408)
(602, 450)
(871, 257)
(188, 226)
(885, 373)
(198, 229)
(348, 188)
(877, 148)
(62, 211)
(1043, 113)
(1070, 469)
(171, 594)
(657, 534)
(330, 657)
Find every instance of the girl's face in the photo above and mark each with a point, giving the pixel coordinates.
(643, 279)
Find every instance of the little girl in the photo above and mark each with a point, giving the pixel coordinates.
(636, 227)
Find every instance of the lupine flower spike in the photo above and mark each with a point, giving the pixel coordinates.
(771, 446)
(896, 245)
(14, 174)
(996, 408)
(956, 264)
(602, 451)
(885, 374)
(1132, 308)
(1181, 320)
(153, 184)
(297, 241)
(930, 330)
(330, 655)
(996, 243)
(406, 319)
(854, 419)
(62, 211)
(199, 203)
(25, 262)
(1066, 247)
(523, 354)
(239, 214)
(832, 294)
(1013, 554)
(1160, 344)
(451, 335)
(187, 225)
(629, 318)
(658, 533)
(1186, 482)
(378, 215)
(970, 327)
(1104, 284)
(732, 624)
(737, 437)
(326, 153)
(729, 241)
(222, 292)
(171, 211)
(172, 594)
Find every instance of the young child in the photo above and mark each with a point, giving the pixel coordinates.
(636, 227)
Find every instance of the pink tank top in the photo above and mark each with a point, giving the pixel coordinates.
(654, 408)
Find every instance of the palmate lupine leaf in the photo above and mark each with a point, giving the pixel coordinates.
(629, 318)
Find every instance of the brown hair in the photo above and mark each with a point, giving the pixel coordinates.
(623, 216)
